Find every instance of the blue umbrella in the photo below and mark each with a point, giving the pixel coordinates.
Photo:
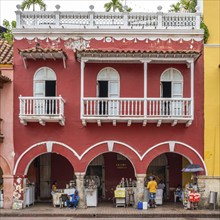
(192, 168)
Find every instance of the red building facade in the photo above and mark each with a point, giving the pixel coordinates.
(114, 95)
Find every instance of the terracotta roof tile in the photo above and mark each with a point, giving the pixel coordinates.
(41, 50)
(139, 51)
(6, 52)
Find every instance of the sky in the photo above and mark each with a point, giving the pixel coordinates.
(8, 7)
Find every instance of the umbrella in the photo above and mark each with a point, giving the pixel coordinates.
(193, 168)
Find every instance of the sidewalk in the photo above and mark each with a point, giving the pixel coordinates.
(106, 210)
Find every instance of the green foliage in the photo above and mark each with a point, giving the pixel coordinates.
(190, 6)
(8, 35)
(116, 5)
(206, 31)
(28, 3)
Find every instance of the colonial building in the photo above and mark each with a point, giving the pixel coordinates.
(107, 94)
(6, 124)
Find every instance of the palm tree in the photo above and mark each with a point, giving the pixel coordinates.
(175, 7)
(28, 3)
(114, 5)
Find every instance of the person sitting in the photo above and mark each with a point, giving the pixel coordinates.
(54, 187)
(178, 193)
(74, 200)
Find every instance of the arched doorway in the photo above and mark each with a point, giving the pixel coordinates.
(107, 170)
(167, 168)
(44, 170)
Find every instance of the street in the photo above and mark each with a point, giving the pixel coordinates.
(68, 218)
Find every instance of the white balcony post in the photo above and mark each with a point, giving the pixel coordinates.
(159, 24)
(125, 19)
(91, 18)
(145, 89)
(192, 87)
(57, 18)
(18, 18)
(198, 20)
(82, 88)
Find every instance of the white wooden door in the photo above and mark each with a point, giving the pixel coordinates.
(113, 107)
(39, 91)
(177, 92)
(45, 176)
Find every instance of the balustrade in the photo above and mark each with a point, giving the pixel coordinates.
(49, 109)
(134, 108)
(115, 20)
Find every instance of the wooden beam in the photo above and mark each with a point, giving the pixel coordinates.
(84, 122)
(99, 122)
(129, 123)
(42, 122)
(144, 123)
(159, 123)
(174, 123)
(188, 123)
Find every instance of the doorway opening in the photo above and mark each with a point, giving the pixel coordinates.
(167, 168)
(46, 169)
(107, 170)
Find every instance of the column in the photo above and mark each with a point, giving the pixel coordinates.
(192, 87)
(18, 192)
(145, 89)
(140, 187)
(8, 181)
(82, 88)
(80, 188)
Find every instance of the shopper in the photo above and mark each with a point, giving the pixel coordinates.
(74, 200)
(54, 187)
(152, 187)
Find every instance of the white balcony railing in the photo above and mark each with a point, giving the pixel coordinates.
(167, 110)
(42, 109)
(115, 20)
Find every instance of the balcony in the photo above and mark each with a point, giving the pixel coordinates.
(106, 20)
(137, 110)
(42, 110)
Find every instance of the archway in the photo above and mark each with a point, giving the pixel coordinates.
(42, 171)
(107, 170)
(167, 168)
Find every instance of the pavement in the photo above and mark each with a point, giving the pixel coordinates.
(106, 210)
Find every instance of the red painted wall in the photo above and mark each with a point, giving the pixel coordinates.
(81, 138)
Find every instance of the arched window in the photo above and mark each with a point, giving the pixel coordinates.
(44, 82)
(171, 87)
(171, 84)
(108, 86)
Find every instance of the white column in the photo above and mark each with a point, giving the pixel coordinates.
(80, 188)
(192, 87)
(140, 188)
(82, 88)
(145, 89)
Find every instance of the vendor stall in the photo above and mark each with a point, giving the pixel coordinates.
(91, 190)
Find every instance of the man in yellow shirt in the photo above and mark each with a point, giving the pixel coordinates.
(152, 187)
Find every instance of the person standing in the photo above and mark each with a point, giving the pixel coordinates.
(152, 187)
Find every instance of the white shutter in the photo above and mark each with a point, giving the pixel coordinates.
(113, 93)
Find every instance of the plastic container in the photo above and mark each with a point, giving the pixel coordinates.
(144, 205)
(140, 205)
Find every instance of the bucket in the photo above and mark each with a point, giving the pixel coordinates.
(140, 205)
(144, 205)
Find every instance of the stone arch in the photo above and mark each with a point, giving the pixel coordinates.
(5, 166)
(110, 146)
(38, 149)
(181, 148)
